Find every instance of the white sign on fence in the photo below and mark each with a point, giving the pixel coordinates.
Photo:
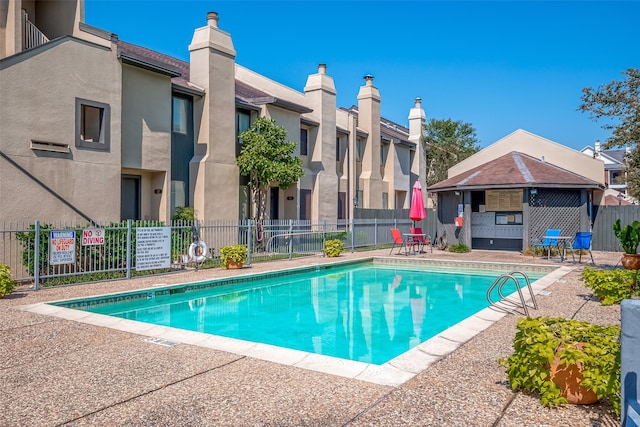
(92, 236)
(62, 247)
(153, 248)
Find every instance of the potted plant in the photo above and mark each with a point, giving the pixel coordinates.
(565, 361)
(7, 283)
(333, 248)
(233, 256)
(629, 237)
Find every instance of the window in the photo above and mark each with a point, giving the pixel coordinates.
(243, 123)
(337, 149)
(359, 199)
(92, 124)
(304, 142)
(180, 114)
(617, 178)
(385, 200)
(359, 146)
(384, 149)
(342, 205)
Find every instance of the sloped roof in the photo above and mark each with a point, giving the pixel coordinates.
(515, 170)
(179, 71)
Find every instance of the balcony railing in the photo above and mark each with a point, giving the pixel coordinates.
(32, 35)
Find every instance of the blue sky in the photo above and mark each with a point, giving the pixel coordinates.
(499, 65)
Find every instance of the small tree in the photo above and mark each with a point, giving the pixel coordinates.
(446, 143)
(266, 158)
(619, 101)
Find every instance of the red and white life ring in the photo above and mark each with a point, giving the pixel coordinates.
(198, 251)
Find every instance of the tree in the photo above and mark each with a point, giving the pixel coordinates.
(266, 158)
(446, 143)
(620, 102)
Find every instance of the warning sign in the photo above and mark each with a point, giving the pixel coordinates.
(92, 236)
(153, 248)
(62, 247)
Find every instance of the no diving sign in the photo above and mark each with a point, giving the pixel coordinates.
(92, 236)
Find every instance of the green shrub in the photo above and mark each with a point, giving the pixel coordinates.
(235, 253)
(459, 248)
(333, 248)
(184, 213)
(539, 340)
(7, 283)
(629, 236)
(612, 286)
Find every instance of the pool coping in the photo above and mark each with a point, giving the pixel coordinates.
(393, 373)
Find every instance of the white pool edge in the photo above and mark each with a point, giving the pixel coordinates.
(393, 373)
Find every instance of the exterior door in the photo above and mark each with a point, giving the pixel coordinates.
(130, 197)
(274, 203)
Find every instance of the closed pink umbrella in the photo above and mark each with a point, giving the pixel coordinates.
(417, 212)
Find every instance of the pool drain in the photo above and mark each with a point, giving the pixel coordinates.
(161, 341)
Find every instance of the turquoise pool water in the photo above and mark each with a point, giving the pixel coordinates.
(362, 312)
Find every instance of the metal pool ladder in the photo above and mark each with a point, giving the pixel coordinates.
(504, 302)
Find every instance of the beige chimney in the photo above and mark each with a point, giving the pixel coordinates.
(214, 174)
(320, 93)
(369, 121)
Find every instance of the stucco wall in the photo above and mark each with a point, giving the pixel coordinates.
(146, 119)
(39, 104)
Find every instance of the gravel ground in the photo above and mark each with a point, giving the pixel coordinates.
(59, 372)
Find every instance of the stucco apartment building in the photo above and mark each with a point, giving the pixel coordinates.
(93, 128)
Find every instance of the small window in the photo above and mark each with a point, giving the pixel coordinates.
(385, 200)
(359, 199)
(304, 142)
(359, 145)
(383, 154)
(243, 123)
(180, 114)
(337, 149)
(92, 124)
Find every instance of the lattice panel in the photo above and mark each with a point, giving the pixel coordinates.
(554, 209)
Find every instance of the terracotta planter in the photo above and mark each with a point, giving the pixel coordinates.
(631, 261)
(232, 265)
(568, 378)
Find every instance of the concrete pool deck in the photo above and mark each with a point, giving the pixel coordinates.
(61, 371)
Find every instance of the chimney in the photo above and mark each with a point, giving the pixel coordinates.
(369, 121)
(368, 80)
(212, 19)
(417, 120)
(212, 68)
(322, 68)
(597, 147)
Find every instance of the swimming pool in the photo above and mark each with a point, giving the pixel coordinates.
(378, 313)
(364, 312)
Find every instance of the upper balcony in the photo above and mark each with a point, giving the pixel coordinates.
(31, 35)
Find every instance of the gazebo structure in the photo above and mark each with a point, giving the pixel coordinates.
(508, 202)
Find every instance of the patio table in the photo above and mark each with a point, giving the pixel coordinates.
(561, 243)
(410, 239)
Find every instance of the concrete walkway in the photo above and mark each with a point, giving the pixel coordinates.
(55, 371)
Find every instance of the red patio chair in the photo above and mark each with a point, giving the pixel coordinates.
(399, 241)
(422, 240)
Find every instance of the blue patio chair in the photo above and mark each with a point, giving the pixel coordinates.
(581, 242)
(548, 241)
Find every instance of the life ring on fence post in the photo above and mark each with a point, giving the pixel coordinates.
(198, 251)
